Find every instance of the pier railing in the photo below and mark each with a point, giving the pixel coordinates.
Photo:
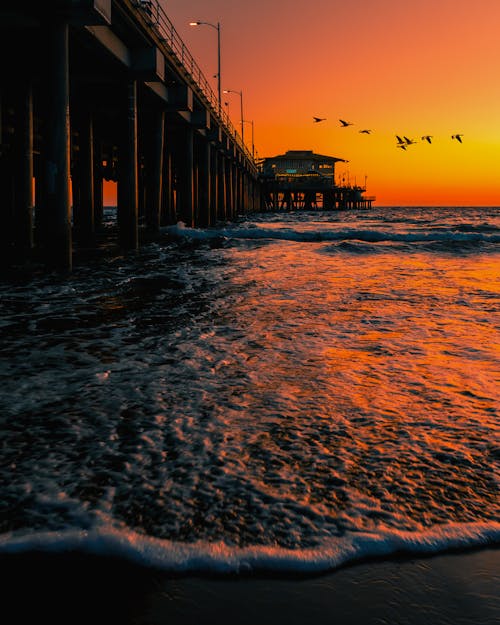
(160, 21)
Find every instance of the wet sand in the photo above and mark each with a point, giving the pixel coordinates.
(455, 589)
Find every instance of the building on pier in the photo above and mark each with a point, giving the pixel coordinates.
(301, 179)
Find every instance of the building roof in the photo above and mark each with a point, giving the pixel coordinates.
(304, 155)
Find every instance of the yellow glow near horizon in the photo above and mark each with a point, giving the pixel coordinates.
(413, 68)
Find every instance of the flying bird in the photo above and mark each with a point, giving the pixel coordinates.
(457, 137)
(409, 141)
(400, 141)
(401, 145)
(366, 131)
(343, 123)
(318, 119)
(427, 138)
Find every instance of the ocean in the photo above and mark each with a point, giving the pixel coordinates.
(289, 392)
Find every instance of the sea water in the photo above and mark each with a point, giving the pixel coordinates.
(289, 391)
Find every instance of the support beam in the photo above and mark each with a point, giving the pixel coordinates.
(203, 216)
(229, 189)
(214, 185)
(185, 174)
(98, 183)
(23, 173)
(57, 243)
(83, 211)
(222, 187)
(128, 175)
(233, 208)
(167, 204)
(154, 170)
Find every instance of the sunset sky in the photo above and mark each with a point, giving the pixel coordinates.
(397, 67)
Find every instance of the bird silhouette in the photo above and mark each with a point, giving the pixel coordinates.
(366, 131)
(457, 137)
(318, 119)
(343, 123)
(427, 138)
(399, 140)
(401, 145)
(409, 141)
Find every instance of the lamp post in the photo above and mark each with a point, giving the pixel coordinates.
(250, 121)
(217, 28)
(240, 93)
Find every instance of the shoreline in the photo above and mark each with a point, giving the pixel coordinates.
(452, 588)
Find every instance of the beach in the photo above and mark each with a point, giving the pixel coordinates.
(449, 589)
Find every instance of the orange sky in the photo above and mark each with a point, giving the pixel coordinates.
(406, 67)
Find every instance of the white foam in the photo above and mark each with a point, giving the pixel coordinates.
(333, 234)
(220, 558)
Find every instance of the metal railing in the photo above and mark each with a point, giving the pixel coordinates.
(158, 20)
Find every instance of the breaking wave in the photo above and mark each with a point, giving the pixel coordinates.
(256, 232)
(219, 558)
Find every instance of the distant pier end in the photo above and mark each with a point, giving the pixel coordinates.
(301, 179)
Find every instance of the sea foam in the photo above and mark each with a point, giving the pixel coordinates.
(180, 230)
(220, 558)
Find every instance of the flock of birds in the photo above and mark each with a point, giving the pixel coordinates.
(401, 142)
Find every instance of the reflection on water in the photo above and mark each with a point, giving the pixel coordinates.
(306, 377)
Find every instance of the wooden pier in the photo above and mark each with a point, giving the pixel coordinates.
(95, 90)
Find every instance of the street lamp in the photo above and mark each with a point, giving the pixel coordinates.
(240, 93)
(217, 28)
(245, 121)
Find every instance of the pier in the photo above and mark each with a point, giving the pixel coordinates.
(95, 90)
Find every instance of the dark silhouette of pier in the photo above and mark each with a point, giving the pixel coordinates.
(95, 90)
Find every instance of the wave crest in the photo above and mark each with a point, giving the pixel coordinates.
(180, 231)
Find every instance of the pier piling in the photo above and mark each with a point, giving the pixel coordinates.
(58, 235)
